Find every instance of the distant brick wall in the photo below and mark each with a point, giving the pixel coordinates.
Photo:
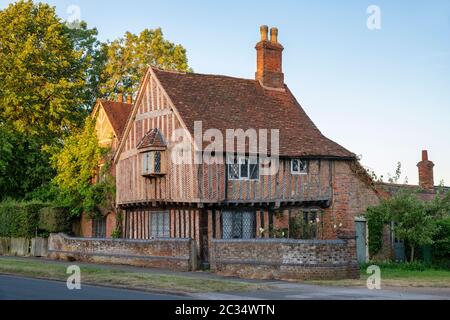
(285, 258)
(351, 198)
(174, 254)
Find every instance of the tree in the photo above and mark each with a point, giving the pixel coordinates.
(49, 79)
(76, 164)
(129, 57)
(92, 61)
(414, 220)
(23, 166)
(44, 71)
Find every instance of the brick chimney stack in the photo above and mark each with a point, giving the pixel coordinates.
(426, 179)
(269, 70)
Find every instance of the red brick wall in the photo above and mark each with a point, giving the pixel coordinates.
(111, 224)
(86, 226)
(285, 259)
(351, 197)
(174, 254)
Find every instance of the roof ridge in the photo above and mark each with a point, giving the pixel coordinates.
(204, 74)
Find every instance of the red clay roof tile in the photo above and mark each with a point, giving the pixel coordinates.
(223, 102)
(118, 113)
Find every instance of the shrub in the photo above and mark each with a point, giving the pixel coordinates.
(33, 218)
(20, 219)
(55, 219)
(441, 245)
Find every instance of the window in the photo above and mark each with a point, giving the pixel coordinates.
(243, 168)
(152, 163)
(299, 166)
(160, 225)
(305, 224)
(99, 228)
(238, 224)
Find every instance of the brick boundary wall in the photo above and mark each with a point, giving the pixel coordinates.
(285, 259)
(173, 254)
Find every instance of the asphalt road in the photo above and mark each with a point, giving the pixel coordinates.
(18, 288)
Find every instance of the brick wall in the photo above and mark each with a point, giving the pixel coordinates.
(285, 259)
(173, 254)
(351, 198)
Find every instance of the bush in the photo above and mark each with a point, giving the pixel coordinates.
(31, 219)
(55, 219)
(441, 246)
(20, 219)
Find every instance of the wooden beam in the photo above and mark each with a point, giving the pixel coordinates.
(258, 223)
(266, 223)
(210, 226)
(218, 225)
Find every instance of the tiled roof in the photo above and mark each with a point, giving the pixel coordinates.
(118, 113)
(426, 195)
(153, 138)
(223, 102)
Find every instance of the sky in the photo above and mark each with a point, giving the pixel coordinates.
(382, 93)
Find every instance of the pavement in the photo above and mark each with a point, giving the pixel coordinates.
(23, 288)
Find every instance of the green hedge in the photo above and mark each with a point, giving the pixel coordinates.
(441, 247)
(55, 219)
(28, 219)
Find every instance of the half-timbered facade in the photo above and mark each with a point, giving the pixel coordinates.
(316, 193)
(110, 120)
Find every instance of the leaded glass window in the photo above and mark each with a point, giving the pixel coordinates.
(238, 224)
(160, 225)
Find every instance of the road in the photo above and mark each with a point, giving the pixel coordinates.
(18, 288)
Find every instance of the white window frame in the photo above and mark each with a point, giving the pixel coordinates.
(240, 161)
(299, 172)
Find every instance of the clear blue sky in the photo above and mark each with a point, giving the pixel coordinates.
(383, 94)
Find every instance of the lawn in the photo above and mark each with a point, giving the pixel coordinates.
(119, 278)
(399, 275)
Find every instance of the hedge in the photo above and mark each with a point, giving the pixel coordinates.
(55, 219)
(30, 219)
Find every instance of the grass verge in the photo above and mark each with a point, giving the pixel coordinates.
(124, 279)
(398, 275)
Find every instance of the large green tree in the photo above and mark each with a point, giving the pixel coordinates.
(129, 57)
(45, 70)
(49, 77)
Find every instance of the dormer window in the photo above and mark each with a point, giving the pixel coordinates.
(299, 166)
(153, 150)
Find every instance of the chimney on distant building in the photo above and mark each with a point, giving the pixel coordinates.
(129, 99)
(426, 179)
(269, 70)
(120, 97)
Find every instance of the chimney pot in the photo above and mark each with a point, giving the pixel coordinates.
(269, 71)
(120, 97)
(129, 99)
(274, 35)
(424, 155)
(264, 31)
